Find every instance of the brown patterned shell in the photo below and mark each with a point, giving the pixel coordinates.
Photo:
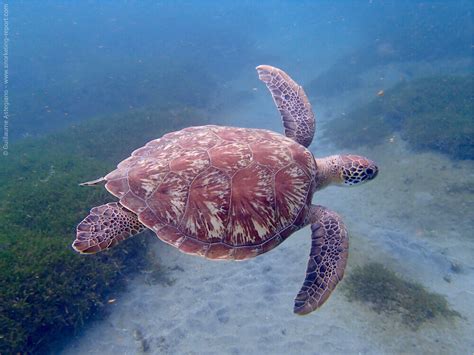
(219, 192)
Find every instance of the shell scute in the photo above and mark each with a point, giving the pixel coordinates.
(271, 153)
(127, 163)
(242, 253)
(203, 139)
(155, 143)
(149, 219)
(252, 212)
(177, 135)
(292, 184)
(133, 202)
(147, 175)
(171, 235)
(220, 192)
(118, 187)
(271, 243)
(142, 152)
(272, 136)
(193, 246)
(190, 163)
(285, 233)
(168, 201)
(208, 204)
(230, 156)
(166, 151)
(236, 134)
(219, 251)
(304, 159)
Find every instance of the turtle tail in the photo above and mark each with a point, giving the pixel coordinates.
(93, 182)
(104, 227)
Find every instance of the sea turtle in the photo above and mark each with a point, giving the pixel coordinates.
(233, 193)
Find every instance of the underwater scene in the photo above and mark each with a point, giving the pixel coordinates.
(237, 177)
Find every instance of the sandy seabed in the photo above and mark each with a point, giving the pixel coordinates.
(416, 218)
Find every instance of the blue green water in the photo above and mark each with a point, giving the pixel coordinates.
(89, 82)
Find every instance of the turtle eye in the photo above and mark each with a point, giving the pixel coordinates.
(371, 172)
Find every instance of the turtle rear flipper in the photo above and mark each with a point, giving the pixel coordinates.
(327, 260)
(104, 227)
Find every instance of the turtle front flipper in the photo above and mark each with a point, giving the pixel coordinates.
(292, 102)
(327, 260)
(104, 227)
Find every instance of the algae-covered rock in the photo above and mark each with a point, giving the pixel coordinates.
(373, 283)
(431, 113)
(46, 288)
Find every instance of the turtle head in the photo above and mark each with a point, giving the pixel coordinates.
(355, 170)
(345, 170)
